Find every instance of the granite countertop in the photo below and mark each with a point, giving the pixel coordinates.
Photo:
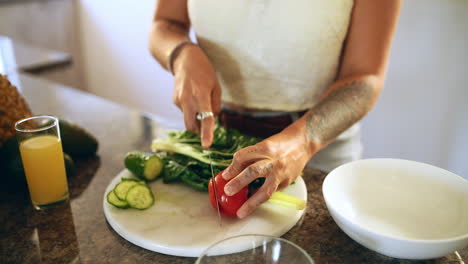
(78, 232)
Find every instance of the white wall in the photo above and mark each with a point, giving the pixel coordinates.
(117, 63)
(422, 114)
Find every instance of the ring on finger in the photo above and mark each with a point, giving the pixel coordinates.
(203, 115)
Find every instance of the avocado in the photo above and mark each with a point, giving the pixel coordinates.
(14, 173)
(11, 166)
(9, 148)
(76, 141)
(69, 164)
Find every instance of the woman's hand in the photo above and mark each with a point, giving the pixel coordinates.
(280, 159)
(196, 90)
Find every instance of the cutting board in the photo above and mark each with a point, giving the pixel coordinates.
(182, 222)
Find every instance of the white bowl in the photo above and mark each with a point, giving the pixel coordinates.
(399, 208)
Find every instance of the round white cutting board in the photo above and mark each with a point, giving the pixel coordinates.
(182, 222)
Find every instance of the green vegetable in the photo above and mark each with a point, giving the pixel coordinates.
(144, 165)
(192, 151)
(197, 182)
(287, 200)
(140, 197)
(131, 193)
(225, 144)
(69, 164)
(122, 188)
(13, 173)
(115, 201)
(187, 162)
(130, 179)
(9, 148)
(173, 171)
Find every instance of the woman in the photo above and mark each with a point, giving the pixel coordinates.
(300, 73)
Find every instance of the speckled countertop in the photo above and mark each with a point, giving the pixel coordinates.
(78, 232)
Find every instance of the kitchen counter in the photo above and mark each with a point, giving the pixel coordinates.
(78, 232)
(18, 56)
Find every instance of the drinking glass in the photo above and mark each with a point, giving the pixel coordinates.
(253, 248)
(41, 152)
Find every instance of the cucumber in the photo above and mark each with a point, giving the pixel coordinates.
(131, 193)
(146, 166)
(131, 179)
(140, 197)
(122, 188)
(115, 201)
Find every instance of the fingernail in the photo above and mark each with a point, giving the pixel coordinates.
(224, 174)
(205, 144)
(228, 190)
(241, 214)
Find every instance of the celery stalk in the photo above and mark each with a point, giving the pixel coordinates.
(280, 198)
(187, 150)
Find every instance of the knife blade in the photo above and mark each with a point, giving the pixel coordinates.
(214, 189)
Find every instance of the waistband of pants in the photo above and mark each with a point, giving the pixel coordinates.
(258, 124)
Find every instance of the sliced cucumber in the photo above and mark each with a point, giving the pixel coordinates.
(140, 197)
(131, 179)
(122, 188)
(115, 201)
(153, 168)
(131, 193)
(146, 166)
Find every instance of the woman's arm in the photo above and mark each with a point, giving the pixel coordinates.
(361, 74)
(196, 87)
(282, 157)
(170, 27)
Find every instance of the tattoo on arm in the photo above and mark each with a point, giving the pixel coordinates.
(343, 107)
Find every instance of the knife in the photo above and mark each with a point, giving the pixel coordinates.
(214, 189)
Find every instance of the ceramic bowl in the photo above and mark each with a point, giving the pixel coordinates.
(399, 208)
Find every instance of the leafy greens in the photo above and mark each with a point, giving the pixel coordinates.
(186, 161)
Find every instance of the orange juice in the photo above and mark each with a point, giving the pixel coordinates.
(45, 169)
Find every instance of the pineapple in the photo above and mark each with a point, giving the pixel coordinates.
(13, 107)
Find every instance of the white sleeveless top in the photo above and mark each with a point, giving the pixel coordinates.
(272, 54)
(278, 55)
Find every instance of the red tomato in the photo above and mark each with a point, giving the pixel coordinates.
(228, 205)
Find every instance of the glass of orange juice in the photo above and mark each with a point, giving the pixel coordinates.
(41, 152)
